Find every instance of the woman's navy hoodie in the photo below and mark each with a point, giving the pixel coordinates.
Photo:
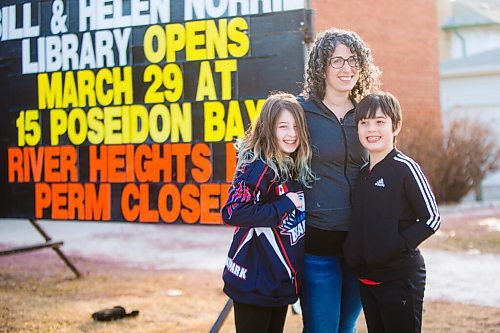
(265, 259)
(337, 158)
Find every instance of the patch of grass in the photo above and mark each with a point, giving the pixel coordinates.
(463, 232)
(488, 242)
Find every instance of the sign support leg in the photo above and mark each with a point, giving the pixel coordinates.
(48, 243)
(222, 316)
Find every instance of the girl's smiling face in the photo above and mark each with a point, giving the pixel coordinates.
(377, 134)
(286, 132)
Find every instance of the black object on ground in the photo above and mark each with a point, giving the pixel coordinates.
(114, 313)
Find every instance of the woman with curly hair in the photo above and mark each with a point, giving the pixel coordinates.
(340, 71)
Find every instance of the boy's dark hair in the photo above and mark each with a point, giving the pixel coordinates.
(388, 104)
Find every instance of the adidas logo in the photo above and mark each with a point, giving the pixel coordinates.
(380, 182)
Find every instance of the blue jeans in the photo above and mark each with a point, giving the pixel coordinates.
(330, 298)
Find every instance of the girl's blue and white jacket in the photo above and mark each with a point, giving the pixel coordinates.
(265, 260)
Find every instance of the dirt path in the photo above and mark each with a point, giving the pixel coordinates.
(463, 277)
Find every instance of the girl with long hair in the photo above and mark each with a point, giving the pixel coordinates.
(263, 272)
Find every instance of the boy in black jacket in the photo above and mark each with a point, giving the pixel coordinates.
(394, 210)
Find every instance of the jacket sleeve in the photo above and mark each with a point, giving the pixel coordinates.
(247, 204)
(424, 205)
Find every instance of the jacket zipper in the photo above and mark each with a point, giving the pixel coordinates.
(341, 121)
(289, 263)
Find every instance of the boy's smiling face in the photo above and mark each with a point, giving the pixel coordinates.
(377, 134)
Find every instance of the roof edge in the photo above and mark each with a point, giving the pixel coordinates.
(469, 72)
(452, 26)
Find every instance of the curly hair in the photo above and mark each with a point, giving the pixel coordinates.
(319, 58)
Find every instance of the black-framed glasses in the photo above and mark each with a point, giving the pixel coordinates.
(338, 62)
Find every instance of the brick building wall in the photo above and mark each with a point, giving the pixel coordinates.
(403, 37)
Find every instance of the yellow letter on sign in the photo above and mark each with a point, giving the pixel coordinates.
(206, 85)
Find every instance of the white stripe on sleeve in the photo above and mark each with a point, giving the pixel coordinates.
(430, 201)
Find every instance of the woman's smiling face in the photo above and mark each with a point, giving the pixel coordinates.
(342, 79)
